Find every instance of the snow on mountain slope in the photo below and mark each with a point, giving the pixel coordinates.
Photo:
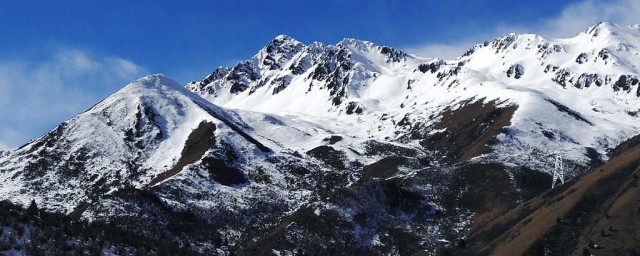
(578, 93)
(127, 137)
(362, 135)
(321, 73)
(154, 135)
(130, 138)
(592, 78)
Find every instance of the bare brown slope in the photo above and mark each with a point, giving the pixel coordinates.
(470, 129)
(198, 142)
(564, 220)
(618, 232)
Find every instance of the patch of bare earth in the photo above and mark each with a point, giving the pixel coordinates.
(470, 129)
(199, 141)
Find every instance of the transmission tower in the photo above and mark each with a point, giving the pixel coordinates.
(558, 169)
(558, 172)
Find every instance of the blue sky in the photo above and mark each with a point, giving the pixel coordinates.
(58, 58)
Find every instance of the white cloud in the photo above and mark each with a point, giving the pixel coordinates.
(577, 17)
(8, 135)
(442, 51)
(574, 18)
(37, 95)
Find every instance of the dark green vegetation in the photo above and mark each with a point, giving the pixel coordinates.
(33, 231)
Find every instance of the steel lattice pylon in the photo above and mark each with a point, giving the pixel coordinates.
(558, 172)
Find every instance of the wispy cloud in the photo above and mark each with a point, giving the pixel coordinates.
(574, 18)
(442, 51)
(577, 17)
(36, 95)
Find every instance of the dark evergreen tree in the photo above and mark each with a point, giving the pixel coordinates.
(33, 208)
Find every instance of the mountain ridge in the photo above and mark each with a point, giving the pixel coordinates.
(401, 154)
(553, 75)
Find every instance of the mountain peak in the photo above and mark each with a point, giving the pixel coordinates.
(602, 28)
(150, 84)
(284, 40)
(356, 43)
(279, 51)
(283, 37)
(155, 80)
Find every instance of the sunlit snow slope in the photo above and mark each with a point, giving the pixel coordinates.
(129, 139)
(571, 94)
(263, 155)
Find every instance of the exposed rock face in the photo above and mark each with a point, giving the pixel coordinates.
(336, 69)
(515, 70)
(360, 149)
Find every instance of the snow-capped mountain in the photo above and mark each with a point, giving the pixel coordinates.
(397, 153)
(154, 151)
(275, 78)
(579, 92)
(144, 134)
(127, 138)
